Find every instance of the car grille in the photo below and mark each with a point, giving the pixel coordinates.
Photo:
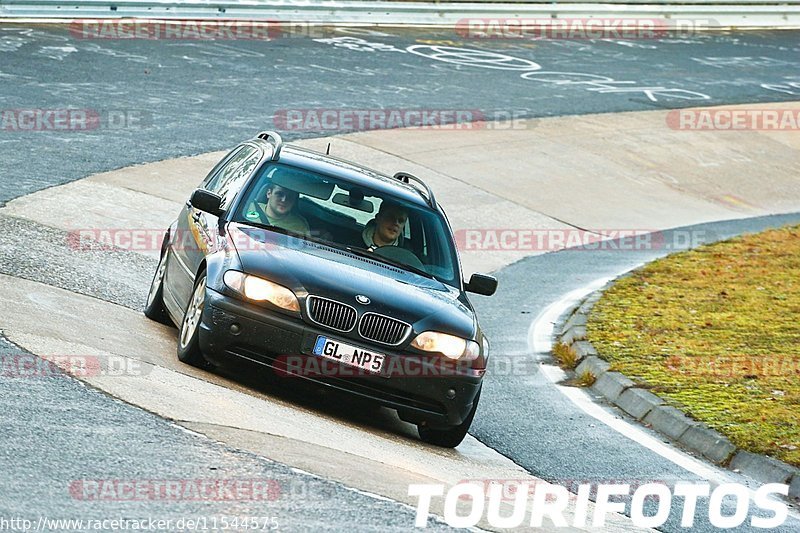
(383, 329)
(332, 314)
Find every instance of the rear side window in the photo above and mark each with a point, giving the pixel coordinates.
(231, 176)
(222, 162)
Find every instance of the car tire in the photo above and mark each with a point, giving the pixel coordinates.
(154, 308)
(189, 334)
(450, 437)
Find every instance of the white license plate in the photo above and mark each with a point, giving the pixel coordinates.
(349, 355)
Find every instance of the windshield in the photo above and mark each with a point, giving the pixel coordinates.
(359, 219)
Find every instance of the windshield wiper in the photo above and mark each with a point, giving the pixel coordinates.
(363, 252)
(276, 229)
(259, 225)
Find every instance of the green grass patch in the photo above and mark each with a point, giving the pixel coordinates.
(565, 355)
(586, 379)
(716, 332)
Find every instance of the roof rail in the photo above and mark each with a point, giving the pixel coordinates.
(405, 177)
(275, 140)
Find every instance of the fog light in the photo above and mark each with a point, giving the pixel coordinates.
(236, 329)
(451, 393)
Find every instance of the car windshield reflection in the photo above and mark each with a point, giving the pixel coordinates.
(350, 217)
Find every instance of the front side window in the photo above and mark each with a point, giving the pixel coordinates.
(339, 213)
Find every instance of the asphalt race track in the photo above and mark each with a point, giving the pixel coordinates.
(189, 97)
(576, 446)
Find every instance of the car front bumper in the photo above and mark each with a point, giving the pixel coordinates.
(422, 393)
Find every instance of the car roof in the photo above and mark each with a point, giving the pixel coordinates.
(357, 174)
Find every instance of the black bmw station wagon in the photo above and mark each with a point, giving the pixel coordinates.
(328, 271)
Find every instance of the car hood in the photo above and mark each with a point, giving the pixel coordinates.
(308, 267)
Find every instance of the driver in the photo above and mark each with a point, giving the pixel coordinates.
(279, 210)
(386, 229)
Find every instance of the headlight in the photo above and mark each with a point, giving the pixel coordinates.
(451, 346)
(261, 290)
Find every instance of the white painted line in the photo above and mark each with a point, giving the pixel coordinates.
(540, 333)
(588, 406)
(540, 341)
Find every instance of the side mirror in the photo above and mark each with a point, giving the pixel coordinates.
(207, 201)
(482, 284)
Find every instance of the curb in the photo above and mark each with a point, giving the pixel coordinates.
(649, 409)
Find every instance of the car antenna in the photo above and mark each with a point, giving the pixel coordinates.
(328, 151)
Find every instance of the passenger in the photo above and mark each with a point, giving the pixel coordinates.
(279, 210)
(386, 229)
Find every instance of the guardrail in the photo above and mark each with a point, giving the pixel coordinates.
(724, 13)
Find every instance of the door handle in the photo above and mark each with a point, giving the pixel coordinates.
(196, 216)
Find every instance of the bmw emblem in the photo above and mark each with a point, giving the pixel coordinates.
(360, 298)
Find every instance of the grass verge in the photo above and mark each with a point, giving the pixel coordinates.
(716, 332)
(565, 355)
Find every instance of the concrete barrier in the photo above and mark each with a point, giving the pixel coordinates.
(720, 13)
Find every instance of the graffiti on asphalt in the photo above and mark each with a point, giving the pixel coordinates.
(787, 87)
(472, 58)
(741, 62)
(531, 71)
(360, 45)
(606, 85)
